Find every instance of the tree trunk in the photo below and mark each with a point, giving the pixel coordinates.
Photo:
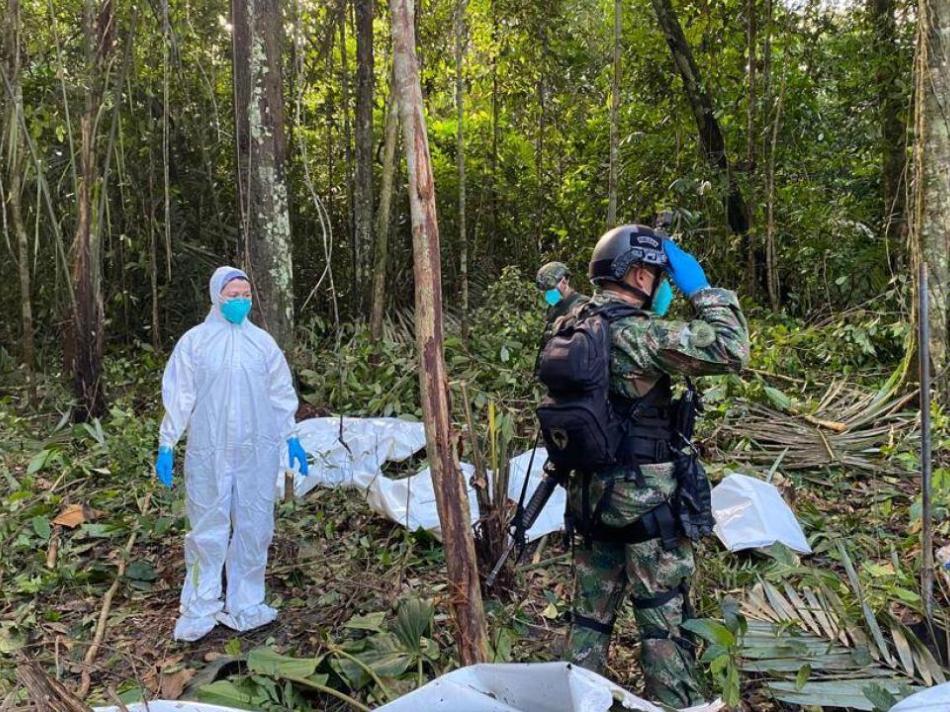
(460, 41)
(449, 484)
(348, 160)
(261, 154)
(614, 121)
(893, 134)
(771, 250)
(363, 188)
(711, 141)
(932, 173)
(382, 217)
(752, 10)
(85, 335)
(16, 164)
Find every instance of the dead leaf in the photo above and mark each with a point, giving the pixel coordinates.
(74, 515)
(173, 685)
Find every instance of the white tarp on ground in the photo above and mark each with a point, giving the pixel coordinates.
(508, 687)
(169, 706)
(355, 457)
(523, 687)
(751, 513)
(936, 699)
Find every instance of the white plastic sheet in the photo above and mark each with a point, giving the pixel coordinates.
(354, 457)
(523, 687)
(936, 699)
(169, 706)
(751, 513)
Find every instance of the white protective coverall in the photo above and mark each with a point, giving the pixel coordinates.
(230, 387)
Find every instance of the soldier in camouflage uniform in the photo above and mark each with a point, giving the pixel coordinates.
(554, 280)
(628, 265)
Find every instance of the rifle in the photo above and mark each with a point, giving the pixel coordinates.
(525, 517)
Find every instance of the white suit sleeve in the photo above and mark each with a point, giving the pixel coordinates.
(283, 397)
(178, 393)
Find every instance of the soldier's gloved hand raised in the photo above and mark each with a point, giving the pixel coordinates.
(685, 271)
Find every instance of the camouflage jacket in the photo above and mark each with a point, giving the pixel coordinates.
(554, 313)
(645, 347)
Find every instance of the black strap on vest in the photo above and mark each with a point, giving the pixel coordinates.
(658, 523)
(595, 625)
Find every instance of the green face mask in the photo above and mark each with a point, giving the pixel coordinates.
(236, 310)
(552, 297)
(662, 298)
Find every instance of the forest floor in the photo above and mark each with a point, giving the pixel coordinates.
(357, 593)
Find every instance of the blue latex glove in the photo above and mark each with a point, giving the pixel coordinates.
(298, 456)
(164, 464)
(685, 271)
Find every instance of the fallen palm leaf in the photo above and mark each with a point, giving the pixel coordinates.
(791, 629)
(860, 425)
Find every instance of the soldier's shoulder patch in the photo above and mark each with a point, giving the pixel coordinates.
(701, 334)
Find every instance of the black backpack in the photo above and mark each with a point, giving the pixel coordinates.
(580, 425)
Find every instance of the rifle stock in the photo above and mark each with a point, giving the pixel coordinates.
(523, 520)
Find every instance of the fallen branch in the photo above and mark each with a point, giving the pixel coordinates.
(93, 651)
(46, 693)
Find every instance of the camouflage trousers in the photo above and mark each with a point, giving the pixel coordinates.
(607, 570)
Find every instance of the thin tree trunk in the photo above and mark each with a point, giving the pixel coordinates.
(893, 134)
(711, 140)
(85, 337)
(460, 41)
(771, 250)
(261, 153)
(363, 189)
(449, 484)
(614, 120)
(752, 10)
(496, 52)
(539, 152)
(383, 216)
(932, 174)
(348, 159)
(16, 164)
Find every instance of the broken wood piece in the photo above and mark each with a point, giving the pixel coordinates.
(53, 549)
(93, 651)
(46, 693)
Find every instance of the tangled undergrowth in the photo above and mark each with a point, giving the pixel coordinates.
(363, 603)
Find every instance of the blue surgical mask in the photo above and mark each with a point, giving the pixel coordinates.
(552, 297)
(236, 310)
(662, 297)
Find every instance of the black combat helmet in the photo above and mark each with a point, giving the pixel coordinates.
(623, 247)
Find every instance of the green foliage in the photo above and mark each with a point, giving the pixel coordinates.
(724, 641)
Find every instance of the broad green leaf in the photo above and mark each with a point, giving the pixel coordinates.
(413, 623)
(371, 621)
(804, 673)
(140, 570)
(233, 647)
(710, 630)
(267, 661)
(41, 527)
(226, 693)
(777, 398)
(38, 462)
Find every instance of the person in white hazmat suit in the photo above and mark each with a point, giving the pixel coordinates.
(228, 385)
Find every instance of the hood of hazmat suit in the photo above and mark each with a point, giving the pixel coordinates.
(229, 386)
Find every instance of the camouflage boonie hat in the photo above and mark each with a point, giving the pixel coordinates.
(550, 274)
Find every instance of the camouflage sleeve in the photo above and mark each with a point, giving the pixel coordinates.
(716, 341)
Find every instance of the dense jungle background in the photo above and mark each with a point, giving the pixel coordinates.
(802, 147)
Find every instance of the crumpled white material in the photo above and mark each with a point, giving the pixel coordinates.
(523, 687)
(935, 699)
(230, 387)
(169, 706)
(354, 457)
(751, 513)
